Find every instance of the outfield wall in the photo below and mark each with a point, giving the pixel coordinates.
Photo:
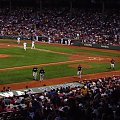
(77, 43)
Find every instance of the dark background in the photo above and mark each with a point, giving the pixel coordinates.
(61, 3)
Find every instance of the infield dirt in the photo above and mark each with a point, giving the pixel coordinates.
(79, 57)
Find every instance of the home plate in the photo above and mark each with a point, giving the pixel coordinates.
(8, 45)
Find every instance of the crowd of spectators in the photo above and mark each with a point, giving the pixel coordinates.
(91, 26)
(97, 99)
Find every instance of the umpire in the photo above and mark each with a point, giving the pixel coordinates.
(34, 73)
(42, 73)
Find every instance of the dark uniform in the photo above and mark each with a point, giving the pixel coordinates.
(79, 71)
(34, 72)
(112, 64)
(42, 73)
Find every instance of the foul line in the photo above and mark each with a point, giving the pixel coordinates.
(54, 63)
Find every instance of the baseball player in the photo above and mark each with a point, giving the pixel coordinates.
(112, 64)
(25, 46)
(69, 42)
(42, 74)
(34, 73)
(79, 71)
(18, 40)
(61, 40)
(33, 45)
(49, 40)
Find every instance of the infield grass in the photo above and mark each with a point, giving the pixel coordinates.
(21, 75)
(19, 57)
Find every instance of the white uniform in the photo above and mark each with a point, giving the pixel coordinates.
(49, 40)
(33, 45)
(66, 42)
(78, 35)
(69, 42)
(36, 38)
(18, 40)
(25, 45)
(62, 41)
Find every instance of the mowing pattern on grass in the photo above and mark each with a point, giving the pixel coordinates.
(74, 59)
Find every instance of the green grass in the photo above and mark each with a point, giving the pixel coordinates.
(55, 71)
(66, 49)
(8, 41)
(76, 50)
(19, 57)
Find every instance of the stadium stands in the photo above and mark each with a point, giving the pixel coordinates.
(98, 99)
(90, 26)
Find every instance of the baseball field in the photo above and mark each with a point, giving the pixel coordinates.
(59, 62)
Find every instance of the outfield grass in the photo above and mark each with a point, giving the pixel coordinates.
(19, 57)
(54, 71)
(76, 50)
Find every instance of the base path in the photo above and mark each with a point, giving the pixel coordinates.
(73, 58)
(62, 80)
